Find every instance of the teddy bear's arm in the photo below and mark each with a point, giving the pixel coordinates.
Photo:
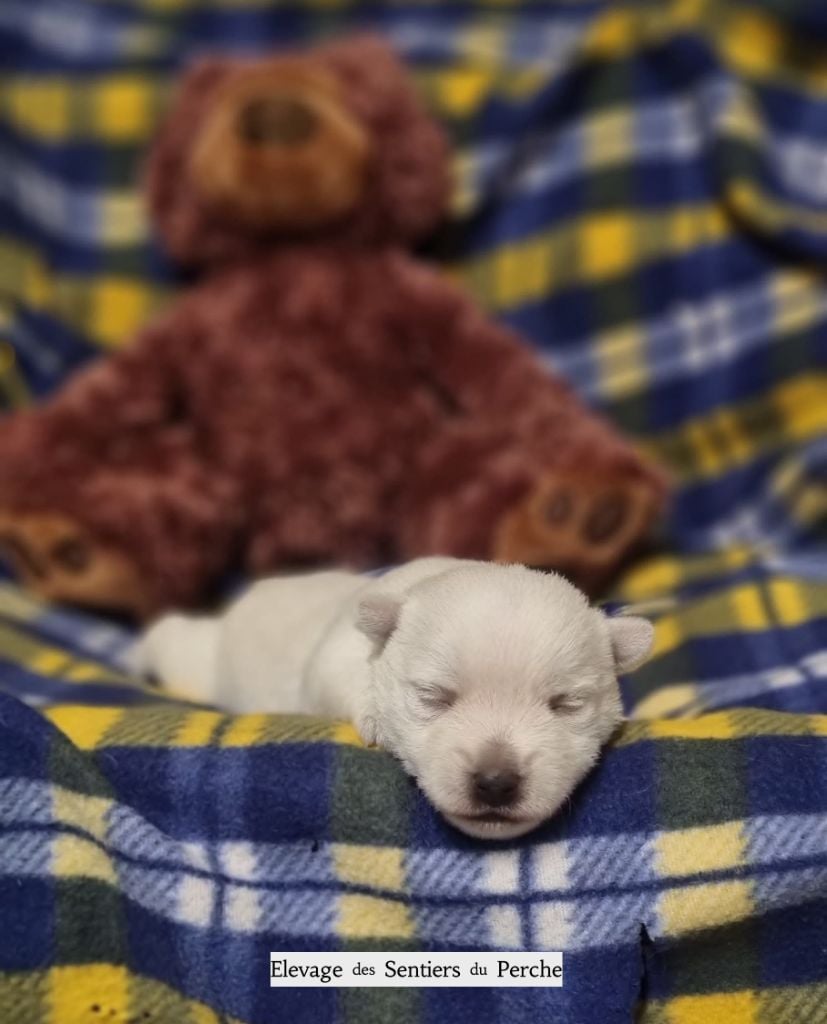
(521, 470)
(134, 389)
(124, 397)
(105, 499)
(479, 365)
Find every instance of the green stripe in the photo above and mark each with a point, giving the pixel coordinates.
(371, 799)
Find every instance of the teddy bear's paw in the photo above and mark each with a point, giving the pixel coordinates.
(58, 561)
(580, 525)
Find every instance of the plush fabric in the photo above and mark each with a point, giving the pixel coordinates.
(642, 195)
(152, 856)
(317, 395)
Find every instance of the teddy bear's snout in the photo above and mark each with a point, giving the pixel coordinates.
(280, 150)
(277, 121)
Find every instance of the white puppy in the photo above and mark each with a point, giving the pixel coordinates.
(494, 685)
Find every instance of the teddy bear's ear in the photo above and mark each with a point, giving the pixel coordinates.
(166, 181)
(193, 92)
(411, 185)
(366, 54)
(202, 76)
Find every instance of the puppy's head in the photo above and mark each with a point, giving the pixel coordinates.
(496, 686)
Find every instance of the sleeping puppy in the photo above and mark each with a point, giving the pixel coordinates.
(494, 685)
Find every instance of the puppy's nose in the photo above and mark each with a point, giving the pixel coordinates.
(496, 787)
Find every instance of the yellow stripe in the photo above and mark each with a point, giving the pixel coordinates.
(117, 308)
(761, 208)
(370, 917)
(72, 990)
(84, 813)
(119, 994)
(608, 137)
(88, 672)
(78, 857)
(801, 406)
(798, 404)
(124, 109)
(730, 1007)
(803, 495)
(662, 574)
(108, 309)
(46, 660)
(346, 735)
(702, 849)
(754, 45)
(622, 361)
(724, 725)
(707, 727)
(738, 608)
(788, 602)
(461, 92)
(666, 700)
(245, 731)
(197, 729)
(49, 662)
(750, 613)
(42, 103)
(751, 43)
(121, 108)
(122, 220)
(85, 726)
(12, 383)
(378, 866)
(668, 635)
(602, 245)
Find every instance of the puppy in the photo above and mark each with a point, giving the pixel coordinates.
(494, 685)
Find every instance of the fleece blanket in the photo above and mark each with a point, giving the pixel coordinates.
(642, 190)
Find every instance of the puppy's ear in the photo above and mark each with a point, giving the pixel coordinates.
(377, 617)
(631, 638)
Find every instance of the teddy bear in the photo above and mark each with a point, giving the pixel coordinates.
(318, 394)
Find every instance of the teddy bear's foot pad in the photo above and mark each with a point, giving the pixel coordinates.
(55, 559)
(579, 526)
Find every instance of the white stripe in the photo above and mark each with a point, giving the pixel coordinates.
(687, 341)
(77, 31)
(726, 691)
(781, 837)
(603, 918)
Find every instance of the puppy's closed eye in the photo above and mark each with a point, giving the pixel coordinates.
(435, 697)
(565, 703)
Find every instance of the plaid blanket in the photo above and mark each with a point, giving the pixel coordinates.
(643, 192)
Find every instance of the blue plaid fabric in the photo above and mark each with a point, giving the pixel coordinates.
(642, 191)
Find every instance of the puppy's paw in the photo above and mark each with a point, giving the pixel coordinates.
(581, 526)
(57, 560)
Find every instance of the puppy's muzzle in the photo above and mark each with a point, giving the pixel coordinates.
(496, 781)
(496, 789)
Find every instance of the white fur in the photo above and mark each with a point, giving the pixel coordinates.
(439, 661)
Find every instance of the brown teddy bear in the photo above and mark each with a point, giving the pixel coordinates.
(320, 395)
